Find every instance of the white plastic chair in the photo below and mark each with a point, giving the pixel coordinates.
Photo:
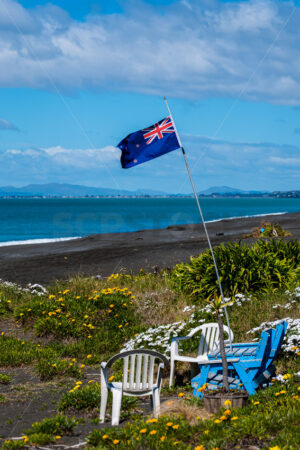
(138, 380)
(209, 341)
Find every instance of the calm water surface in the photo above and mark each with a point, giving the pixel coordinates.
(27, 219)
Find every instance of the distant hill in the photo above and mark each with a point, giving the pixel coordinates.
(68, 190)
(227, 190)
(72, 190)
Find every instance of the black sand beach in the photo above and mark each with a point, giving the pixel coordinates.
(104, 254)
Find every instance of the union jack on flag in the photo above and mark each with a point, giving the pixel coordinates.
(158, 130)
(148, 143)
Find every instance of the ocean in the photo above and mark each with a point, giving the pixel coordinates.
(43, 220)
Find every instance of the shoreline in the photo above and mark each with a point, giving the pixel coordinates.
(103, 254)
(34, 241)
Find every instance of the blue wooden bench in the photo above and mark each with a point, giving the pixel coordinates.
(249, 364)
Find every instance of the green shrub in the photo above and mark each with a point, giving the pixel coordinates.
(83, 398)
(13, 444)
(57, 425)
(51, 368)
(5, 379)
(263, 266)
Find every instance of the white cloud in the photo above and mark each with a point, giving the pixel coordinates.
(245, 165)
(6, 125)
(195, 49)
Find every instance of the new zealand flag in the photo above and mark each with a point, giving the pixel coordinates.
(149, 143)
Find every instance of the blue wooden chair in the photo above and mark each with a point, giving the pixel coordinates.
(249, 364)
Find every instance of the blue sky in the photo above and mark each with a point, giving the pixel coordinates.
(77, 76)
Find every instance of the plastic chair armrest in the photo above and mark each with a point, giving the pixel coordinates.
(180, 338)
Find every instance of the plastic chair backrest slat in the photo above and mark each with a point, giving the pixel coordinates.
(132, 370)
(145, 371)
(150, 372)
(125, 372)
(138, 371)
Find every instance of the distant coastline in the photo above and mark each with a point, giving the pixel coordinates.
(57, 190)
(275, 194)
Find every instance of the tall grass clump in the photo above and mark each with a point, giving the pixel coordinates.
(265, 266)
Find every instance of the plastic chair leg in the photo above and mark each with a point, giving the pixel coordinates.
(104, 395)
(156, 402)
(116, 406)
(172, 367)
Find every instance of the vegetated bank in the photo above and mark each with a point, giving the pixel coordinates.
(62, 332)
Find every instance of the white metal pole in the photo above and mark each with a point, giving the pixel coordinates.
(201, 215)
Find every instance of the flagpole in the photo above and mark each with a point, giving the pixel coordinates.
(201, 215)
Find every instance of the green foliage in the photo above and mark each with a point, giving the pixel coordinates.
(83, 398)
(94, 322)
(5, 305)
(5, 379)
(60, 424)
(51, 368)
(13, 444)
(14, 352)
(266, 265)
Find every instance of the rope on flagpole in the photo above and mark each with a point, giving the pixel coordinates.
(201, 215)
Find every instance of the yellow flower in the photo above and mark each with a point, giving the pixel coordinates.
(299, 388)
(2, 334)
(287, 376)
(74, 359)
(26, 439)
(294, 348)
(169, 424)
(57, 437)
(199, 447)
(105, 436)
(175, 427)
(66, 291)
(227, 412)
(181, 394)
(218, 421)
(227, 403)
(90, 381)
(111, 306)
(86, 316)
(163, 438)
(79, 382)
(206, 431)
(120, 326)
(111, 378)
(274, 448)
(223, 418)
(176, 442)
(29, 309)
(282, 392)
(153, 432)
(255, 403)
(82, 366)
(198, 418)
(143, 430)
(234, 418)
(116, 441)
(277, 393)
(88, 356)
